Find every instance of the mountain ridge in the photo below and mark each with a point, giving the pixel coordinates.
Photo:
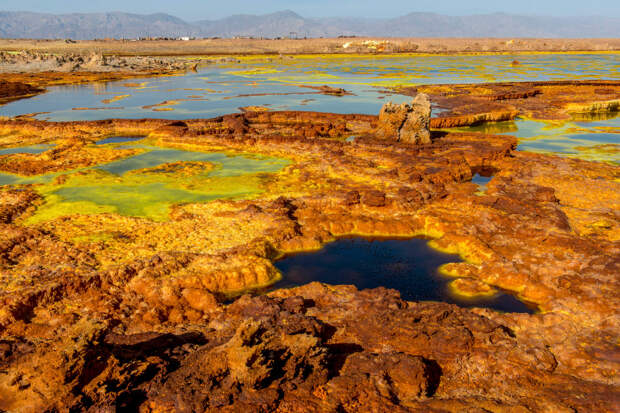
(287, 23)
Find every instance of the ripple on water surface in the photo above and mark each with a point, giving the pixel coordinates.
(407, 265)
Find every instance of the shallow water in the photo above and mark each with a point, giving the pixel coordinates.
(10, 179)
(118, 139)
(228, 165)
(221, 88)
(34, 149)
(407, 265)
(142, 186)
(481, 181)
(135, 187)
(597, 141)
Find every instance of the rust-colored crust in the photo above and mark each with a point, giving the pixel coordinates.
(115, 312)
(471, 104)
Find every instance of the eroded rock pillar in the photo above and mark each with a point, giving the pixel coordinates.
(407, 122)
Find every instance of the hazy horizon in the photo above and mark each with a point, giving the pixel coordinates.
(193, 10)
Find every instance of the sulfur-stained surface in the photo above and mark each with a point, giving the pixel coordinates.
(411, 69)
(145, 182)
(226, 85)
(131, 288)
(555, 101)
(146, 185)
(33, 149)
(122, 262)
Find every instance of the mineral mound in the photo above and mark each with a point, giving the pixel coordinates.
(407, 123)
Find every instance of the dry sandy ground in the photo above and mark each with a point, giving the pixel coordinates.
(342, 45)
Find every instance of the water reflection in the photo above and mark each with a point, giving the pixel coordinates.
(596, 141)
(220, 88)
(32, 149)
(407, 265)
(118, 139)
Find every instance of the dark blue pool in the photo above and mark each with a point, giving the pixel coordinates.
(407, 265)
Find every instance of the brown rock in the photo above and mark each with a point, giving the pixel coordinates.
(394, 374)
(407, 123)
(15, 90)
(472, 104)
(200, 300)
(374, 199)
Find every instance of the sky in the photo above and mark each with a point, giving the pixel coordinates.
(192, 10)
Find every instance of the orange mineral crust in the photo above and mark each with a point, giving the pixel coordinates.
(112, 310)
(471, 104)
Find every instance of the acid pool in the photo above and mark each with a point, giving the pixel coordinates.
(32, 149)
(597, 140)
(482, 176)
(119, 139)
(407, 265)
(149, 183)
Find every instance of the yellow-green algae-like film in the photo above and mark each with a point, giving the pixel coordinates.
(148, 184)
(594, 140)
(411, 69)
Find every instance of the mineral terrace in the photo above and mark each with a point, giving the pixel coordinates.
(112, 312)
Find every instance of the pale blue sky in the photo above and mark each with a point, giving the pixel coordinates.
(212, 9)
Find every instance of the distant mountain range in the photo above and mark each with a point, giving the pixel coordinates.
(288, 23)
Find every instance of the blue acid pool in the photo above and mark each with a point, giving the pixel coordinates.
(407, 265)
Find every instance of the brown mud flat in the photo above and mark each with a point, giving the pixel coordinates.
(355, 45)
(470, 104)
(132, 318)
(10, 91)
